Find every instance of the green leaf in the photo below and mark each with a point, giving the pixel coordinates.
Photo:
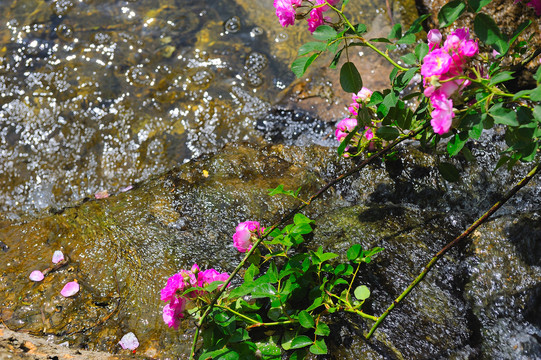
(350, 79)
(536, 94)
(381, 39)
(537, 75)
(302, 229)
(300, 342)
(450, 12)
(449, 172)
(322, 329)
(407, 39)
(327, 256)
(457, 143)
(250, 273)
(537, 113)
(362, 292)
(403, 80)
(502, 115)
(272, 273)
(388, 133)
(275, 313)
(277, 190)
(324, 32)
(421, 51)
(409, 59)
(306, 320)
(519, 31)
(417, 25)
(346, 141)
(354, 252)
(319, 347)
(300, 65)
(311, 46)
(396, 32)
(522, 93)
(301, 219)
(477, 5)
(502, 77)
(489, 33)
(220, 354)
(264, 290)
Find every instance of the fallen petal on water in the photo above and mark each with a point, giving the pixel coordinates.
(70, 289)
(36, 275)
(129, 341)
(58, 256)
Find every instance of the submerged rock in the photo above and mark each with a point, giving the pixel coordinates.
(481, 300)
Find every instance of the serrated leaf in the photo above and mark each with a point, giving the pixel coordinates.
(489, 33)
(407, 39)
(449, 172)
(409, 59)
(417, 26)
(322, 329)
(350, 79)
(535, 95)
(421, 50)
(396, 32)
(300, 342)
(457, 143)
(519, 31)
(450, 12)
(354, 252)
(311, 46)
(306, 320)
(300, 65)
(362, 292)
(503, 115)
(264, 290)
(319, 347)
(502, 77)
(301, 219)
(325, 33)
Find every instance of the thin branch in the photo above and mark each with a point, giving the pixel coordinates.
(462, 236)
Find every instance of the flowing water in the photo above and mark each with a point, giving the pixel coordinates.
(96, 95)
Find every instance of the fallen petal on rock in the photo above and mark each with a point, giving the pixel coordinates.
(58, 256)
(70, 289)
(36, 275)
(129, 341)
(101, 194)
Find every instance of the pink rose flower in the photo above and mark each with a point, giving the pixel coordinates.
(174, 312)
(285, 12)
(363, 95)
(354, 108)
(209, 276)
(344, 127)
(434, 39)
(368, 134)
(436, 62)
(70, 289)
(242, 239)
(36, 275)
(442, 115)
(315, 19)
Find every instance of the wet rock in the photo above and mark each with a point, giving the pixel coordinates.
(124, 247)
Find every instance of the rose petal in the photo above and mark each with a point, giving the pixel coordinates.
(129, 341)
(57, 257)
(70, 289)
(36, 275)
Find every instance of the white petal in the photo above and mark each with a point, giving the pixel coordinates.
(129, 341)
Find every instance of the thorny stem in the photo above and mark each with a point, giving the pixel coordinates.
(269, 230)
(462, 236)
